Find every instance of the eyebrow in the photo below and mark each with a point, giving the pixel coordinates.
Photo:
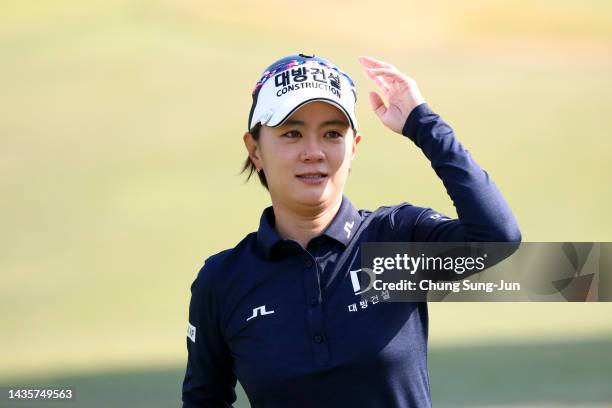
(326, 123)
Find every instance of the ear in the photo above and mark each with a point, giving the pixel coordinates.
(356, 140)
(253, 149)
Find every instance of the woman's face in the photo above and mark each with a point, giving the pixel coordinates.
(306, 161)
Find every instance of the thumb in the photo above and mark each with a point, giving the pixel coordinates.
(378, 106)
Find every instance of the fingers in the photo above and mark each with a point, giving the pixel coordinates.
(372, 62)
(378, 106)
(371, 65)
(379, 81)
(390, 73)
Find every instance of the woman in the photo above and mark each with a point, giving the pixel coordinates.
(279, 311)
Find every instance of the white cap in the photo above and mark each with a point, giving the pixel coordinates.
(296, 80)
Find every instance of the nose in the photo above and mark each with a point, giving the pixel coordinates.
(312, 151)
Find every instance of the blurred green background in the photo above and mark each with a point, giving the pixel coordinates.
(121, 129)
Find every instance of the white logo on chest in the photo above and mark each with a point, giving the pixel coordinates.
(260, 311)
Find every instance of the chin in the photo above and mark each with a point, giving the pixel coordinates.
(313, 196)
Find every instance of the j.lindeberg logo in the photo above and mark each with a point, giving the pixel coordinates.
(260, 311)
(348, 227)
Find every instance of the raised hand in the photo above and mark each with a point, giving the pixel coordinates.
(401, 91)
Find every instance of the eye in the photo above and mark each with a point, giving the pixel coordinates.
(332, 134)
(292, 134)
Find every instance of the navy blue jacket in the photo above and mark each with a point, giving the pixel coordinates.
(285, 321)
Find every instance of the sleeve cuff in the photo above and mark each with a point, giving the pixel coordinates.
(410, 127)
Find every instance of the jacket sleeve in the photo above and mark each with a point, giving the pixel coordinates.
(484, 215)
(209, 380)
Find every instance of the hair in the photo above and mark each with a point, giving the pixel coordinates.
(249, 166)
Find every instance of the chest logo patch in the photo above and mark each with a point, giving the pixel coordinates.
(260, 311)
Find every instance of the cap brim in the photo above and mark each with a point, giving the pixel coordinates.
(281, 115)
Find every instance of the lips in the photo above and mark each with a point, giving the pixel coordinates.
(312, 178)
(312, 175)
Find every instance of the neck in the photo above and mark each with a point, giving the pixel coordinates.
(302, 223)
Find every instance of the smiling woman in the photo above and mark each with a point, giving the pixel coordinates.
(337, 130)
(306, 160)
(279, 312)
